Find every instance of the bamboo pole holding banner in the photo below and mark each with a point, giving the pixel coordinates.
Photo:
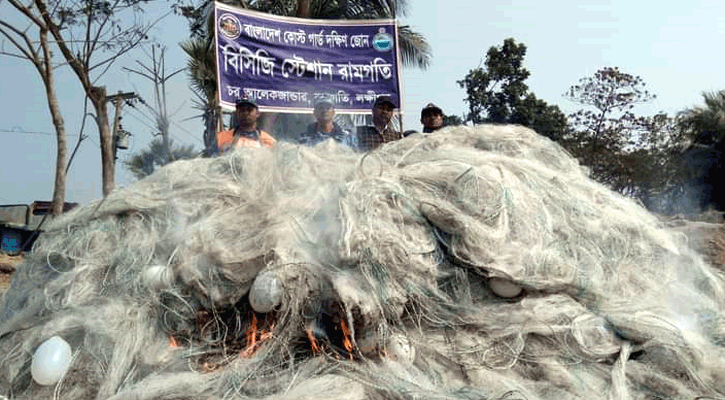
(399, 64)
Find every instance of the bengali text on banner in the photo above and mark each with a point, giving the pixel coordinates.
(285, 64)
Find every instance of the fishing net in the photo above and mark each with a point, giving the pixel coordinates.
(473, 263)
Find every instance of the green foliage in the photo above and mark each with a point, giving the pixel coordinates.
(201, 69)
(702, 170)
(452, 120)
(705, 125)
(497, 93)
(545, 119)
(145, 162)
(635, 155)
(201, 66)
(613, 95)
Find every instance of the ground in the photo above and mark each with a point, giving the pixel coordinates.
(7, 266)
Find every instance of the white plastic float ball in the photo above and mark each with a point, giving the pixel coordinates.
(51, 361)
(400, 349)
(266, 292)
(504, 288)
(157, 277)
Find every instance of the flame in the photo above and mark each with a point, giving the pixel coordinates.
(252, 332)
(173, 342)
(346, 340)
(252, 343)
(313, 343)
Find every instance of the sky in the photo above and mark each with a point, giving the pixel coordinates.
(673, 46)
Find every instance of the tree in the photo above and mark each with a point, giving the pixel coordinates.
(497, 93)
(158, 76)
(90, 36)
(40, 56)
(415, 51)
(704, 126)
(452, 120)
(158, 154)
(613, 94)
(201, 68)
(602, 137)
(161, 151)
(632, 154)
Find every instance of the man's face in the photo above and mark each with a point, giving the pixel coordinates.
(324, 113)
(382, 114)
(247, 114)
(431, 119)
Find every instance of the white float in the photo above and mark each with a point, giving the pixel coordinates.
(51, 361)
(157, 277)
(503, 287)
(400, 349)
(266, 292)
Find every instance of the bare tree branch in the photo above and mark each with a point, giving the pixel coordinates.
(87, 45)
(74, 63)
(81, 136)
(99, 31)
(130, 45)
(150, 77)
(25, 10)
(22, 57)
(34, 58)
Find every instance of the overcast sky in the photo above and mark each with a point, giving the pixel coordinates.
(676, 47)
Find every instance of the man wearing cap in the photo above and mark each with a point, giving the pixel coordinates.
(371, 137)
(246, 134)
(325, 127)
(431, 117)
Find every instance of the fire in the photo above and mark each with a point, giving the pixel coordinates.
(173, 342)
(313, 342)
(346, 341)
(252, 334)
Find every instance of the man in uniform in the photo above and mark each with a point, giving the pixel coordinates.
(246, 133)
(431, 117)
(325, 127)
(372, 137)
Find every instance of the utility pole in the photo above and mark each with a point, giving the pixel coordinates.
(118, 99)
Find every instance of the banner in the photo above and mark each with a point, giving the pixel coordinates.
(285, 63)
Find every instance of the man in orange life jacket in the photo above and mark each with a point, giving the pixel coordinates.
(246, 133)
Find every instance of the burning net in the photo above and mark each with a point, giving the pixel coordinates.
(474, 263)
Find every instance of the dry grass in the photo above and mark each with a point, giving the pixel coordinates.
(7, 265)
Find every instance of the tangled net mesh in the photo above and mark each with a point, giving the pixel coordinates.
(474, 263)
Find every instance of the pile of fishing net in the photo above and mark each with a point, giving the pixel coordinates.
(473, 263)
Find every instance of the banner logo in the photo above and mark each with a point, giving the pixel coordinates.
(229, 26)
(382, 41)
